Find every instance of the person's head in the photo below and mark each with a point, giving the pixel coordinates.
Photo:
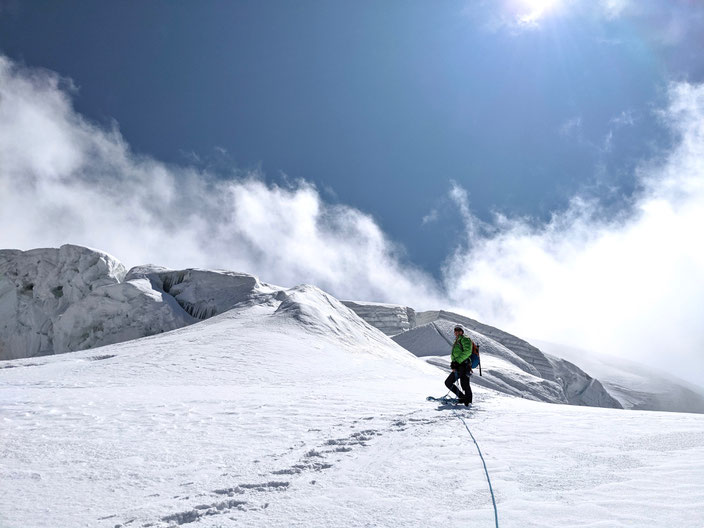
(458, 331)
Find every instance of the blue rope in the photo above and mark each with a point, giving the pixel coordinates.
(486, 471)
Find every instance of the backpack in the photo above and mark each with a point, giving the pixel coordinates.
(474, 360)
(474, 357)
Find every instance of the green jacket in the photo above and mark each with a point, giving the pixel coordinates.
(461, 349)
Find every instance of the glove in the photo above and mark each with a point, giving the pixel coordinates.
(454, 365)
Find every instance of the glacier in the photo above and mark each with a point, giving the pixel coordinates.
(58, 300)
(288, 409)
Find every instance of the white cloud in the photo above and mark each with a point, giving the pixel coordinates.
(430, 218)
(571, 127)
(64, 179)
(632, 286)
(460, 197)
(625, 118)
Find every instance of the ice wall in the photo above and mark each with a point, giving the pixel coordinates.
(70, 298)
(391, 319)
(203, 293)
(73, 298)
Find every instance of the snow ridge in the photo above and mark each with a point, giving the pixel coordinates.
(516, 366)
(73, 298)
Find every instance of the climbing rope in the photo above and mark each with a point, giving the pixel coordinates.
(486, 471)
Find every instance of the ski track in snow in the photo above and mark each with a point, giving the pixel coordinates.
(254, 418)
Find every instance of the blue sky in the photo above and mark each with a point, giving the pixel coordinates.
(381, 105)
(533, 163)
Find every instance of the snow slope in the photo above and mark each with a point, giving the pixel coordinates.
(506, 371)
(271, 414)
(635, 386)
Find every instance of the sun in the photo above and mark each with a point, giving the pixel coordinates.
(530, 11)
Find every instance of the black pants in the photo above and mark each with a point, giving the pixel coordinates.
(463, 375)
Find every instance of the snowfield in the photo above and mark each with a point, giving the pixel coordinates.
(293, 411)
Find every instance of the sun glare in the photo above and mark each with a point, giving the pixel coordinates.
(530, 11)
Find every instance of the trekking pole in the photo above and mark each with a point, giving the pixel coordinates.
(480, 361)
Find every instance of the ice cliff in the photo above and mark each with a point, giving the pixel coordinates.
(58, 300)
(391, 319)
(72, 298)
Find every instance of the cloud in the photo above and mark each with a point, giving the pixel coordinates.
(430, 218)
(573, 130)
(473, 226)
(630, 286)
(571, 127)
(65, 179)
(624, 119)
